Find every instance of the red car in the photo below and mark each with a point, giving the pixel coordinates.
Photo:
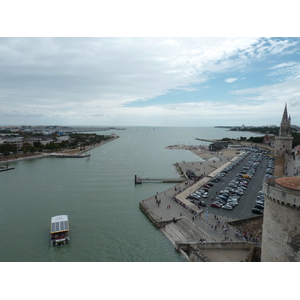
(207, 186)
(215, 205)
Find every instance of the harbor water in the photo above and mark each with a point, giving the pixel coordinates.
(98, 195)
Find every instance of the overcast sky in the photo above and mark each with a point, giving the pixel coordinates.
(149, 81)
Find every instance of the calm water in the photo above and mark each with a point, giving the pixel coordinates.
(98, 195)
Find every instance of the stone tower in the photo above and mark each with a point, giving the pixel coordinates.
(281, 225)
(284, 141)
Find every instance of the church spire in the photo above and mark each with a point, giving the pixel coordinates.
(285, 125)
(285, 115)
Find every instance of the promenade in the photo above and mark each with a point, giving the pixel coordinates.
(182, 221)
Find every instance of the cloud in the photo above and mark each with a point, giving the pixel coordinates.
(230, 80)
(286, 71)
(58, 71)
(283, 65)
(273, 46)
(92, 80)
(269, 100)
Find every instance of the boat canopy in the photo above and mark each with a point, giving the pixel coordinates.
(59, 223)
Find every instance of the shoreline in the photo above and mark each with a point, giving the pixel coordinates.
(3, 160)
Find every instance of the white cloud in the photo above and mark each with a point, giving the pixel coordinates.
(269, 101)
(286, 71)
(92, 80)
(283, 65)
(230, 80)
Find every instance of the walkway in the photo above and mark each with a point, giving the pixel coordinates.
(209, 224)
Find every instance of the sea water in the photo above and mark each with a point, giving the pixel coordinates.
(98, 195)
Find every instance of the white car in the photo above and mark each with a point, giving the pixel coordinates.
(205, 195)
(227, 206)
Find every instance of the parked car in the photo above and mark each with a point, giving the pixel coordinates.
(205, 195)
(223, 197)
(227, 206)
(221, 202)
(259, 206)
(257, 211)
(214, 180)
(259, 202)
(202, 203)
(239, 192)
(243, 187)
(215, 205)
(223, 192)
(232, 203)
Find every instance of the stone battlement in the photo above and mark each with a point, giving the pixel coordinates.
(282, 191)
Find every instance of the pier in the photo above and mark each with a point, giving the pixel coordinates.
(2, 169)
(70, 155)
(139, 180)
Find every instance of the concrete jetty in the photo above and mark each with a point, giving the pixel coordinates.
(2, 169)
(65, 155)
(139, 180)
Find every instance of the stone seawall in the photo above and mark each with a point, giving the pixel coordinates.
(158, 224)
(217, 251)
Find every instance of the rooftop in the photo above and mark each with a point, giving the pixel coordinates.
(289, 182)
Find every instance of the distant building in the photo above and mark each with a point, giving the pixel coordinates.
(217, 146)
(269, 140)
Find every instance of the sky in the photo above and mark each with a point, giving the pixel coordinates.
(111, 79)
(149, 81)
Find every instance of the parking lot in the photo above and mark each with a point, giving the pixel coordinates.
(236, 192)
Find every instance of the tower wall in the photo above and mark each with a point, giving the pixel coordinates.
(281, 225)
(283, 143)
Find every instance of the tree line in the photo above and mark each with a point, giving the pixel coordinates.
(76, 140)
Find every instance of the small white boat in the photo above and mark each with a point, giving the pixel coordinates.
(59, 230)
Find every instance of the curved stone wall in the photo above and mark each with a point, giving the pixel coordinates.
(281, 225)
